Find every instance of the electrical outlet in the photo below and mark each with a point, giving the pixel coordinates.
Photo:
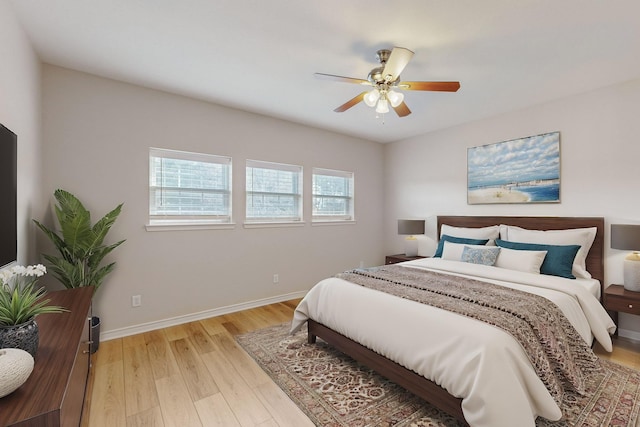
(136, 300)
(276, 278)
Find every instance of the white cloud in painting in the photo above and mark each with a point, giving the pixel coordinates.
(520, 160)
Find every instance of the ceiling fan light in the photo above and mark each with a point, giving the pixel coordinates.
(395, 98)
(383, 106)
(372, 97)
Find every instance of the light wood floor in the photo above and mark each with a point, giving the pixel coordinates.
(189, 375)
(196, 375)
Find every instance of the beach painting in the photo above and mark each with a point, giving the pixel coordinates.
(525, 170)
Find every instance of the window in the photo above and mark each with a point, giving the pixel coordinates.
(332, 195)
(274, 192)
(188, 188)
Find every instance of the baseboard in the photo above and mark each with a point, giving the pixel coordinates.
(632, 335)
(151, 326)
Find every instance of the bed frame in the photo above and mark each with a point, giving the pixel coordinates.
(419, 385)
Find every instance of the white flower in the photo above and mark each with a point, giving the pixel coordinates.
(5, 276)
(18, 271)
(35, 270)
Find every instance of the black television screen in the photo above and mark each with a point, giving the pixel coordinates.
(8, 196)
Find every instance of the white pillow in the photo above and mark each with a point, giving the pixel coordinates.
(514, 259)
(503, 232)
(491, 233)
(453, 251)
(576, 236)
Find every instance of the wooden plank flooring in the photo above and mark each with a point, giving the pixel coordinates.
(189, 375)
(196, 375)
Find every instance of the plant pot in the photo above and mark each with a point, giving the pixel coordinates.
(95, 334)
(23, 336)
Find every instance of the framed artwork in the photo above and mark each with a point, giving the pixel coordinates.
(524, 170)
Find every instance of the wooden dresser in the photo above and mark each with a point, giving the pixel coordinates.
(54, 394)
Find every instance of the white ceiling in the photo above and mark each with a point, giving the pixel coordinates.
(260, 56)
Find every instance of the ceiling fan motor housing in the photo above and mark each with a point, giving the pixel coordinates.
(376, 76)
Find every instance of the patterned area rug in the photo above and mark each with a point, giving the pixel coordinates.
(335, 391)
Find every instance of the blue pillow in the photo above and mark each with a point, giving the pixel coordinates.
(484, 256)
(557, 262)
(452, 239)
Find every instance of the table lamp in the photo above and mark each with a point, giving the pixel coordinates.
(627, 237)
(410, 227)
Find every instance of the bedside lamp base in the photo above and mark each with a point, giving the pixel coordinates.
(411, 246)
(632, 272)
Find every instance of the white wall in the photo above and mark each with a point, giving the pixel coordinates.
(97, 134)
(600, 157)
(20, 112)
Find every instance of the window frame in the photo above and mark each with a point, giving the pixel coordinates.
(350, 216)
(179, 222)
(299, 196)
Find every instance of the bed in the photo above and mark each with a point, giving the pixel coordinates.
(459, 365)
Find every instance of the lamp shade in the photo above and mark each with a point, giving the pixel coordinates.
(410, 226)
(372, 97)
(395, 98)
(625, 236)
(382, 106)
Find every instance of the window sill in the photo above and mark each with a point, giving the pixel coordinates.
(337, 222)
(189, 226)
(273, 224)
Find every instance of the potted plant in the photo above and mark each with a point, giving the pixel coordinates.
(81, 248)
(20, 302)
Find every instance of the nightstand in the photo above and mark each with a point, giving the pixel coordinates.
(618, 299)
(394, 259)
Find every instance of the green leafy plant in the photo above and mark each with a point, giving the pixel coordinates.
(20, 300)
(80, 245)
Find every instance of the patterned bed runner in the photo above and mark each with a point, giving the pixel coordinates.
(558, 354)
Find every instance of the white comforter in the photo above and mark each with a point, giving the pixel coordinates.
(480, 363)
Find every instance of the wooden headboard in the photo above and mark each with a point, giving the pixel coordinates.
(595, 258)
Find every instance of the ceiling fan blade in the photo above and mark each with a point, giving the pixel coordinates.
(398, 59)
(342, 79)
(402, 110)
(350, 103)
(433, 86)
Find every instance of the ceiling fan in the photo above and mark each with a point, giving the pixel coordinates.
(384, 80)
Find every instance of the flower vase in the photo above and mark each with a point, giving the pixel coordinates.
(23, 336)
